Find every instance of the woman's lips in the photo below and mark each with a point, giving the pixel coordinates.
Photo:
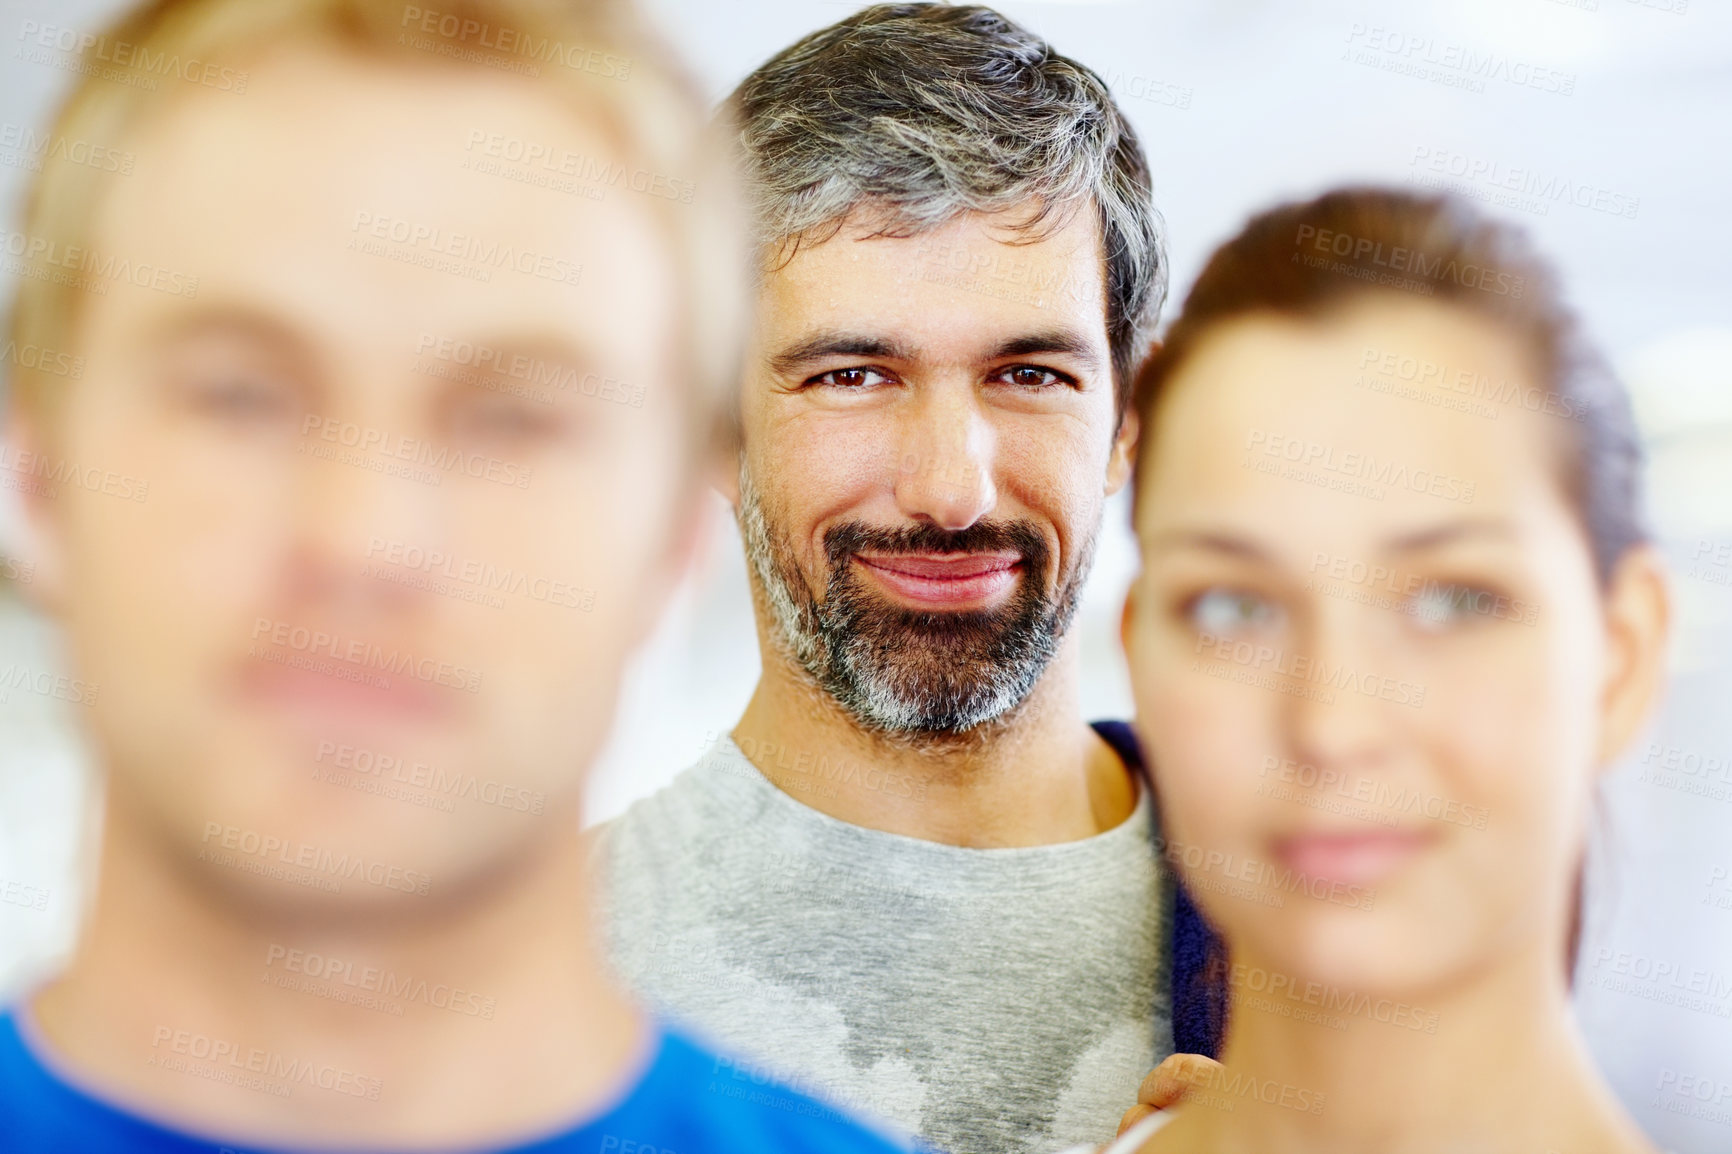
(1351, 858)
(944, 580)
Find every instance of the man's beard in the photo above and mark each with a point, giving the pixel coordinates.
(910, 673)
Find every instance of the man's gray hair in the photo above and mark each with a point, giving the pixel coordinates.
(925, 111)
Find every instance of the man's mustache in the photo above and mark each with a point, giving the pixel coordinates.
(843, 541)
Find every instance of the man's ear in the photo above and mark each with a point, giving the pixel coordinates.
(1638, 616)
(1130, 428)
(41, 546)
(1124, 452)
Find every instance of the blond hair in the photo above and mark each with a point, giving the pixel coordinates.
(596, 54)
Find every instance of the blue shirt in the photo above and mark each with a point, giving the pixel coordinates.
(688, 1101)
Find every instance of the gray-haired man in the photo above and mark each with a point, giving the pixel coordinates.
(914, 878)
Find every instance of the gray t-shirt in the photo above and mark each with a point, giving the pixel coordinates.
(986, 1000)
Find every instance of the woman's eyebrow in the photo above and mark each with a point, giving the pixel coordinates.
(1213, 541)
(1449, 533)
(1238, 545)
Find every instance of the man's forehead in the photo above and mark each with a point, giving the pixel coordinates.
(1020, 234)
(981, 280)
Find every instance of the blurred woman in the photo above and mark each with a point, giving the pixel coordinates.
(1397, 614)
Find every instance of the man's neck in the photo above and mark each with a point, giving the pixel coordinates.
(487, 1020)
(1039, 778)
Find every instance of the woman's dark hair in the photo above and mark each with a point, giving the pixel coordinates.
(1310, 258)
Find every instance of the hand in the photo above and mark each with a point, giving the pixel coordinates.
(1167, 1085)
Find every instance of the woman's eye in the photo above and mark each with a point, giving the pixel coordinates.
(1440, 606)
(1031, 377)
(850, 378)
(1223, 612)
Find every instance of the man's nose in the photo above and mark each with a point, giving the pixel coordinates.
(945, 470)
(346, 514)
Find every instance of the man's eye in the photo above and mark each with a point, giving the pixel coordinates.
(850, 378)
(1224, 612)
(504, 418)
(1032, 377)
(1438, 607)
(242, 398)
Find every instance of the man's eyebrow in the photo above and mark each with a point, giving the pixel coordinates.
(541, 347)
(838, 344)
(233, 319)
(1067, 341)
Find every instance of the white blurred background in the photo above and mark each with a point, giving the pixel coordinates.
(1240, 103)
